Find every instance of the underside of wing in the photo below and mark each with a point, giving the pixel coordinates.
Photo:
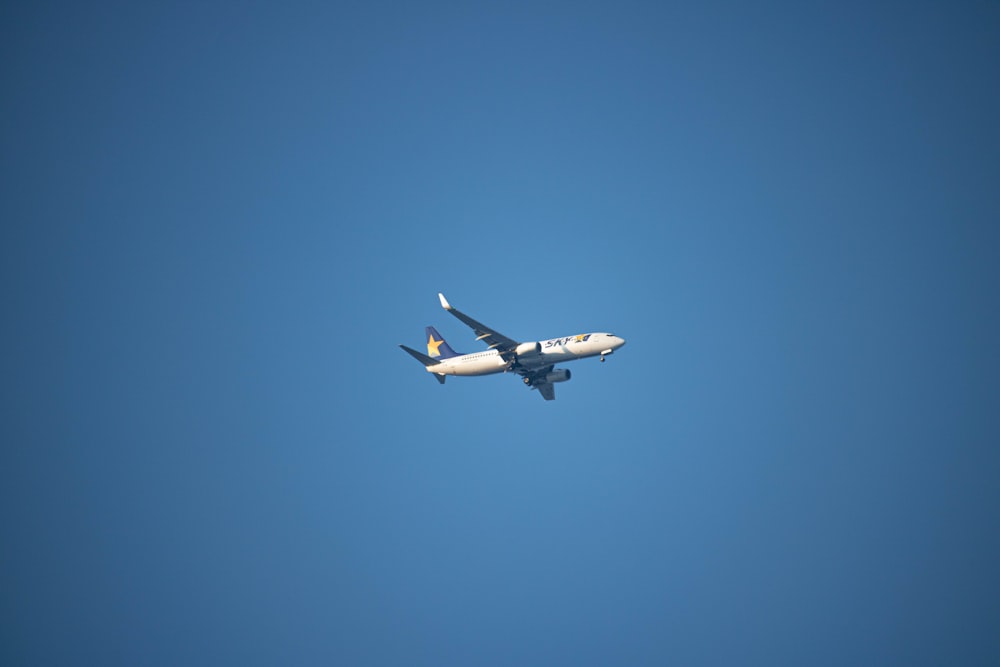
(536, 380)
(494, 339)
(547, 390)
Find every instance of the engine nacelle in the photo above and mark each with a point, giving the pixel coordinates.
(558, 375)
(528, 350)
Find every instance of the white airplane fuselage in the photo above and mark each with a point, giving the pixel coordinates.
(549, 352)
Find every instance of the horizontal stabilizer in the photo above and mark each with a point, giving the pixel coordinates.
(420, 356)
(426, 361)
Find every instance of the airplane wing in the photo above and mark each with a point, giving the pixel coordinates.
(495, 339)
(547, 390)
(505, 346)
(533, 380)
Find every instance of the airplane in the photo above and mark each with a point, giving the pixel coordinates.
(534, 361)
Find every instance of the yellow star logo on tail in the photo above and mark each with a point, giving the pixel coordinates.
(432, 346)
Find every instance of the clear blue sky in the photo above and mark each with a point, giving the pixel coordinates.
(219, 220)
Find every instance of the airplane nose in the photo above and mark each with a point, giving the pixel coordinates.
(619, 341)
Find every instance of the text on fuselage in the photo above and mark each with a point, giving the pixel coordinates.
(556, 342)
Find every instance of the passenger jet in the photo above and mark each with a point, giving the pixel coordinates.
(534, 361)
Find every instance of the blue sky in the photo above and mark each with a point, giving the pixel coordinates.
(221, 219)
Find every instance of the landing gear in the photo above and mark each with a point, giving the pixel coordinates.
(602, 358)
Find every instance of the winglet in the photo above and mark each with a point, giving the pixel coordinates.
(444, 302)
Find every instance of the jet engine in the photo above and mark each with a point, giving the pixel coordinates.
(527, 350)
(557, 375)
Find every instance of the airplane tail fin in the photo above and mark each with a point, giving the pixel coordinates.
(437, 348)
